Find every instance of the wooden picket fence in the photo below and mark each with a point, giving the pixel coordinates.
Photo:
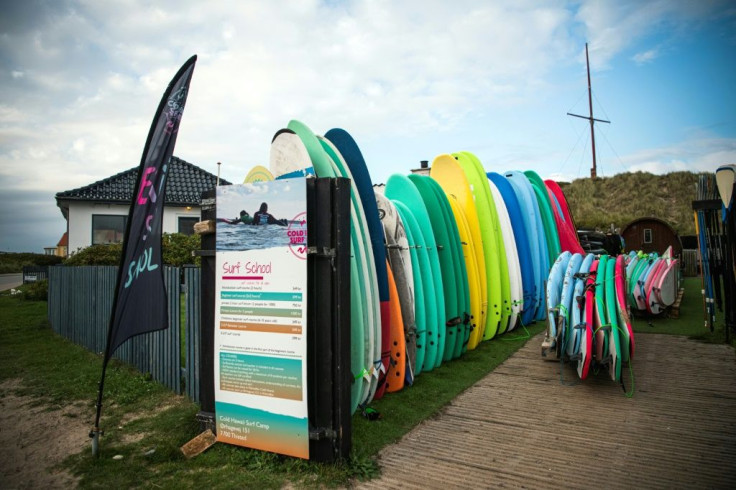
(79, 307)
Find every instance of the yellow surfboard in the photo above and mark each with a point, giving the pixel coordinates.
(259, 173)
(448, 173)
(474, 284)
(497, 273)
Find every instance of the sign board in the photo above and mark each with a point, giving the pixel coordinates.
(261, 318)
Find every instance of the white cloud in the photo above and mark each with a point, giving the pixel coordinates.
(81, 79)
(645, 56)
(615, 26)
(704, 154)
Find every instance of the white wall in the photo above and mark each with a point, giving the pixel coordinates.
(80, 220)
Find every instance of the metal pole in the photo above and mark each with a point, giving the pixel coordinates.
(593, 173)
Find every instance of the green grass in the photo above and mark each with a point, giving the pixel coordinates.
(140, 415)
(60, 373)
(690, 321)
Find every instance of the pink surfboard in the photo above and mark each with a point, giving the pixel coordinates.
(627, 332)
(592, 321)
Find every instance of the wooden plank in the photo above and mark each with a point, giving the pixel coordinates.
(199, 444)
(521, 426)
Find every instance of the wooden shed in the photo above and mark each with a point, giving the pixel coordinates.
(651, 235)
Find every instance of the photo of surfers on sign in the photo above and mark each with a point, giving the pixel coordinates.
(260, 317)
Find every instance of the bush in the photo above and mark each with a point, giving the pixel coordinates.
(11, 263)
(176, 250)
(36, 291)
(97, 255)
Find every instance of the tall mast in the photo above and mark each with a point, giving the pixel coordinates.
(593, 170)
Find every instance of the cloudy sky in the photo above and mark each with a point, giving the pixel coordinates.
(80, 81)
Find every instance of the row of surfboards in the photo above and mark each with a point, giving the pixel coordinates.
(654, 280)
(588, 320)
(589, 299)
(439, 263)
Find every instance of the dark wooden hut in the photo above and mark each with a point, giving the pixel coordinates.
(651, 235)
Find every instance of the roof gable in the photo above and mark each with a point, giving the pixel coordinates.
(184, 186)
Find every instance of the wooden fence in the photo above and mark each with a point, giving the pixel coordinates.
(79, 307)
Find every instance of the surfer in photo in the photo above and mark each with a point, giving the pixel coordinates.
(244, 218)
(263, 217)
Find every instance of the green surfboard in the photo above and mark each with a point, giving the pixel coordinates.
(487, 221)
(548, 220)
(400, 188)
(614, 343)
(447, 259)
(461, 274)
(365, 249)
(423, 285)
(360, 326)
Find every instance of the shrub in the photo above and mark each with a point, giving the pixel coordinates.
(14, 262)
(176, 250)
(36, 291)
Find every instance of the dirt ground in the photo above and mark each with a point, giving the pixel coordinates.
(34, 439)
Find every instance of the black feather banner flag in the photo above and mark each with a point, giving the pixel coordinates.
(140, 304)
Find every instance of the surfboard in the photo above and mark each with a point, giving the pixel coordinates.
(614, 339)
(578, 328)
(523, 249)
(448, 173)
(425, 343)
(564, 316)
(353, 158)
(365, 249)
(259, 173)
(361, 329)
(640, 292)
(397, 369)
(400, 261)
(554, 288)
(288, 157)
(461, 275)
(666, 289)
(446, 260)
(627, 332)
(511, 255)
(420, 308)
(401, 188)
(592, 322)
(535, 229)
(652, 303)
(566, 229)
(550, 227)
(474, 323)
(601, 338)
(499, 307)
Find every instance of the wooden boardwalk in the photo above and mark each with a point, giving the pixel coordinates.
(521, 427)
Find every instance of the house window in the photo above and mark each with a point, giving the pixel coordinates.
(186, 225)
(107, 228)
(647, 235)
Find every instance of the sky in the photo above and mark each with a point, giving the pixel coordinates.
(80, 81)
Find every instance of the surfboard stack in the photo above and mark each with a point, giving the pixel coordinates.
(654, 281)
(588, 319)
(439, 263)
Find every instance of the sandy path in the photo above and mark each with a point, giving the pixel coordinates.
(34, 439)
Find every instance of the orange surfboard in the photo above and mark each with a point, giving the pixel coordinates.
(397, 364)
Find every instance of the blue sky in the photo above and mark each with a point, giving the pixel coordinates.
(80, 81)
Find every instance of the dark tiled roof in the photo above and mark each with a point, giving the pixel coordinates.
(184, 186)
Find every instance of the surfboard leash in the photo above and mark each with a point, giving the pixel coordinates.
(627, 394)
(563, 348)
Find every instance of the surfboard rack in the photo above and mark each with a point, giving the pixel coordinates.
(328, 319)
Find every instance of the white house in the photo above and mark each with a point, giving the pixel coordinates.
(97, 213)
